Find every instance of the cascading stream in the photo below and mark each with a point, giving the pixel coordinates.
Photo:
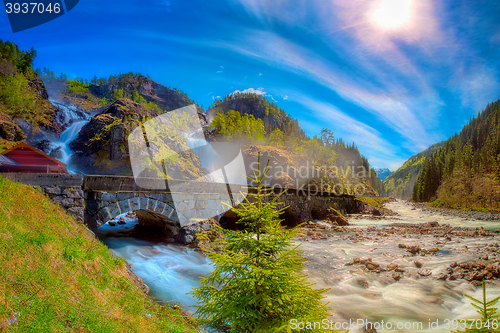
(65, 139)
(75, 120)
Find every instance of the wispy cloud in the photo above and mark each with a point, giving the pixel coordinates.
(383, 103)
(258, 91)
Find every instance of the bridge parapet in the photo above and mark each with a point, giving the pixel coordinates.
(95, 200)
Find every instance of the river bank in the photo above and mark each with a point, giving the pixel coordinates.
(466, 214)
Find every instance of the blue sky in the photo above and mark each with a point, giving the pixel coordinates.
(393, 76)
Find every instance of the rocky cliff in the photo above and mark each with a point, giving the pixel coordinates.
(102, 145)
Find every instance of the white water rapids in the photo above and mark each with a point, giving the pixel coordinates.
(171, 271)
(74, 120)
(65, 139)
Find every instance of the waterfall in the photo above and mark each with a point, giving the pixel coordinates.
(196, 142)
(74, 119)
(68, 113)
(65, 139)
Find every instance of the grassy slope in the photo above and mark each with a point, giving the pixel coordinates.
(56, 277)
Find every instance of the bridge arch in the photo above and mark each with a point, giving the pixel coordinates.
(109, 205)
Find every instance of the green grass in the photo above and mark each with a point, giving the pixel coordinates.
(56, 277)
(374, 201)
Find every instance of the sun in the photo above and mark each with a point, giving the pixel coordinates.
(392, 14)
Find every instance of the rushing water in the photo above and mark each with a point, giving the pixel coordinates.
(68, 116)
(68, 113)
(171, 271)
(196, 142)
(65, 139)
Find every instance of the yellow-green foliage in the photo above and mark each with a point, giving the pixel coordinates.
(469, 192)
(19, 100)
(373, 201)
(77, 87)
(16, 95)
(232, 126)
(56, 277)
(5, 144)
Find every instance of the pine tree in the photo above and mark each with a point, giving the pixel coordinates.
(257, 285)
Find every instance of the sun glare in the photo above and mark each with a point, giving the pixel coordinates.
(392, 14)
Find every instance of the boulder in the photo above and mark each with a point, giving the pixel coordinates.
(336, 218)
(392, 266)
(157, 224)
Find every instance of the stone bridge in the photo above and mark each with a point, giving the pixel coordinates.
(94, 200)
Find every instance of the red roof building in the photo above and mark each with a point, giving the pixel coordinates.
(24, 158)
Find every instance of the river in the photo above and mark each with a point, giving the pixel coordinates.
(354, 292)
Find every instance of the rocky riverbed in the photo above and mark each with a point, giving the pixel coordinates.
(412, 266)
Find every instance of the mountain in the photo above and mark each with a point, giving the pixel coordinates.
(102, 91)
(400, 183)
(382, 173)
(259, 107)
(120, 103)
(465, 171)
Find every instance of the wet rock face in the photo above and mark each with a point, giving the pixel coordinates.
(11, 131)
(56, 153)
(43, 145)
(38, 85)
(101, 145)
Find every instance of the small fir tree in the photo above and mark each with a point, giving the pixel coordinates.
(257, 285)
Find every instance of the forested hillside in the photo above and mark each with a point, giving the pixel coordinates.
(465, 172)
(400, 183)
(251, 119)
(22, 97)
